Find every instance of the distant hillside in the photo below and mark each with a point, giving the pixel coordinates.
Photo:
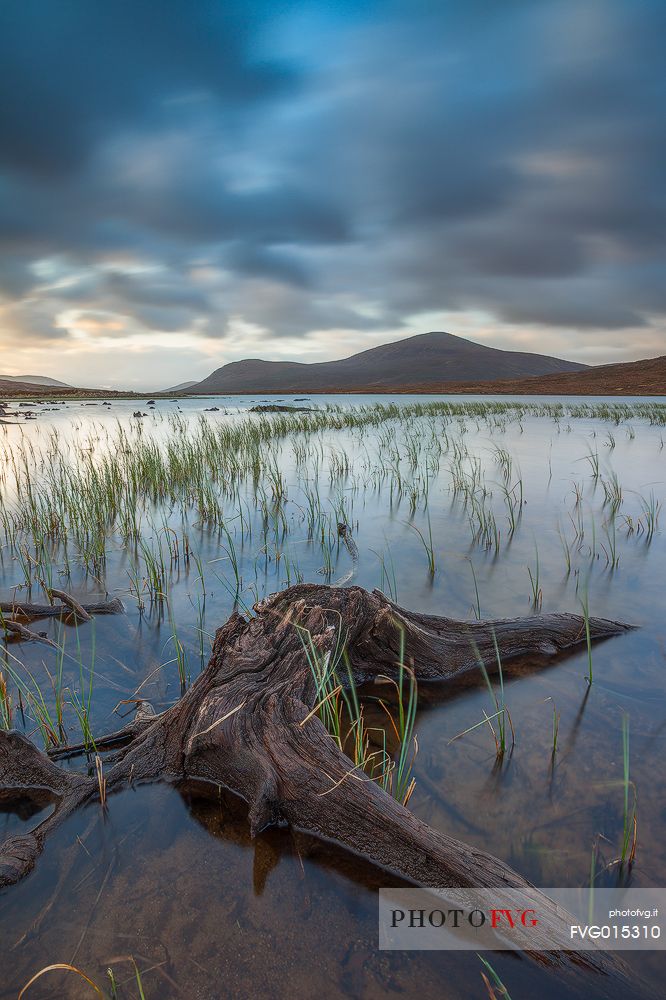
(629, 378)
(8, 387)
(26, 390)
(429, 358)
(181, 387)
(42, 380)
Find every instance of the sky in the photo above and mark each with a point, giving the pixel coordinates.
(185, 183)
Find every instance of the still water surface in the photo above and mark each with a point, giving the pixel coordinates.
(175, 881)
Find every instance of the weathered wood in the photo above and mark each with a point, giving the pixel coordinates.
(16, 628)
(28, 610)
(70, 602)
(247, 723)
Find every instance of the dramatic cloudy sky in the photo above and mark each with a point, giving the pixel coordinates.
(187, 182)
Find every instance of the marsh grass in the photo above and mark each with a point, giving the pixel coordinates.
(476, 608)
(555, 730)
(139, 981)
(388, 581)
(629, 811)
(180, 656)
(566, 548)
(328, 689)
(535, 581)
(101, 780)
(399, 781)
(114, 986)
(610, 551)
(649, 519)
(427, 545)
(6, 708)
(65, 966)
(67, 499)
(340, 709)
(592, 459)
(46, 703)
(113, 983)
(35, 699)
(81, 700)
(501, 716)
(494, 985)
(585, 605)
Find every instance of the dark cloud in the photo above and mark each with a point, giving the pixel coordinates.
(162, 291)
(268, 262)
(304, 168)
(34, 321)
(16, 276)
(77, 69)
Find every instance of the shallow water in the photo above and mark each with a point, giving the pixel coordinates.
(174, 880)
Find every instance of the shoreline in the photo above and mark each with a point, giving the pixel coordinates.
(453, 390)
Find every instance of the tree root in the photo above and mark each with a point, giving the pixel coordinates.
(247, 724)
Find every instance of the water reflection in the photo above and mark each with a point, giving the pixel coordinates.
(172, 877)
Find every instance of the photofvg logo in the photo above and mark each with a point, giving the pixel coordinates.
(551, 919)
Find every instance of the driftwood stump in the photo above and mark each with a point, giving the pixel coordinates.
(247, 724)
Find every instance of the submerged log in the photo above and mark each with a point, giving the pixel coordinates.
(27, 635)
(21, 611)
(247, 723)
(69, 606)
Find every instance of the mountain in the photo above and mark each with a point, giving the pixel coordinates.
(181, 387)
(35, 380)
(634, 378)
(428, 358)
